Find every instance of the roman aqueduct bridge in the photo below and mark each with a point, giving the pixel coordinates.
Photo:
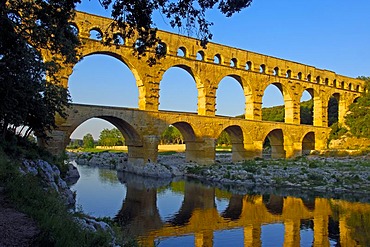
(143, 126)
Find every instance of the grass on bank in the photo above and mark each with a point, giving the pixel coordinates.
(27, 194)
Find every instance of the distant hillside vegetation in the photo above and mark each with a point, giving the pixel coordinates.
(276, 113)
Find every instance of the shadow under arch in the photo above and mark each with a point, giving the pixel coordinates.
(236, 135)
(276, 142)
(308, 143)
(288, 101)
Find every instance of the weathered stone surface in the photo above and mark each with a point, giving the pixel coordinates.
(50, 175)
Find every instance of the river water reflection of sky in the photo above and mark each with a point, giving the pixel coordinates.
(188, 213)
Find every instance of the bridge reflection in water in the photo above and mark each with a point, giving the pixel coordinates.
(198, 216)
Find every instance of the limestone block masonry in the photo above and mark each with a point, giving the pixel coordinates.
(142, 127)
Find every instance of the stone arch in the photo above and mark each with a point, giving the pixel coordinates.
(186, 130)
(289, 74)
(238, 79)
(97, 31)
(87, 52)
(309, 78)
(181, 52)
(236, 135)
(139, 83)
(118, 39)
(317, 106)
(200, 56)
(198, 83)
(308, 143)
(161, 49)
(350, 87)
(276, 141)
(74, 27)
(130, 134)
(234, 63)
(299, 76)
(276, 71)
(355, 100)
(263, 69)
(288, 101)
(249, 65)
(217, 59)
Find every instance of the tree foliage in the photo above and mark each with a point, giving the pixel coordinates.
(88, 141)
(188, 15)
(358, 118)
(26, 97)
(171, 136)
(224, 139)
(111, 137)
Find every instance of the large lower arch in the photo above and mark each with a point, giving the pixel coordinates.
(276, 140)
(237, 141)
(308, 143)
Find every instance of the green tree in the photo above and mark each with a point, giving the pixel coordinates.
(171, 136)
(358, 118)
(224, 139)
(188, 15)
(26, 97)
(111, 137)
(88, 141)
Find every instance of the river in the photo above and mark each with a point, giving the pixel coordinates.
(166, 212)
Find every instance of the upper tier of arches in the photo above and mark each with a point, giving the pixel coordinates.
(254, 72)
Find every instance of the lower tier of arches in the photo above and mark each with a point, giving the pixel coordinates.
(142, 131)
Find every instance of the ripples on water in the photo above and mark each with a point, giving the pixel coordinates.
(188, 213)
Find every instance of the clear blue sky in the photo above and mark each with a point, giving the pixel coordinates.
(333, 35)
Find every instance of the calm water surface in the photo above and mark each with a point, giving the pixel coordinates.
(188, 213)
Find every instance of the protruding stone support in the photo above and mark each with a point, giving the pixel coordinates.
(206, 102)
(292, 150)
(292, 233)
(319, 112)
(342, 109)
(201, 151)
(321, 232)
(56, 143)
(149, 96)
(204, 239)
(252, 236)
(244, 151)
(253, 110)
(146, 153)
(292, 112)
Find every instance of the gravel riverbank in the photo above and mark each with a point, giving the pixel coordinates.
(335, 177)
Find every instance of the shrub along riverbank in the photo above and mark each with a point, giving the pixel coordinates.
(57, 224)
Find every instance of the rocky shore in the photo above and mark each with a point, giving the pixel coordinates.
(333, 176)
